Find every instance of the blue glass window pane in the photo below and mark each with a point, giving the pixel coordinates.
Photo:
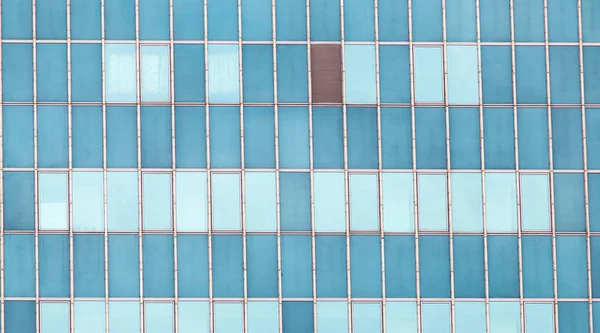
(261, 261)
(538, 276)
(297, 317)
(154, 73)
(432, 202)
(258, 73)
(50, 19)
(535, 202)
(565, 87)
(593, 184)
(159, 317)
(365, 266)
(366, 317)
(427, 22)
(120, 72)
(188, 20)
(53, 140)
(364, 202)
(153, 19)
(259, 137)
(360, 73)
(188, 76)
(469, 317)
(592, 126)
(429, 80)
(359, 21)
(156, 136)
(530, 74)
(19, 188)
(17, 136)
(156, 205)
(227, 266)
(17, 21)
(19, 266)
(54, 317)
(569, 202)
(571, 266)
(463, 74)
(257, 20)
(225, 147)
(192, 206)
(192, 266)
(293, 137)
(89, 317)
(573, 317)
(123, 317)
(193, 317)
(329, 201)
(567, 143)
(590, 26)
(330, 252)
(461, 21)
(393, 21)
(539, 317)
(190, 137)
(328, 140)
(401, 316)
(591, 71)
(465, 150)
(505, 317)
(17, 70)
(394, 73)
(88, 265)
(529, 21)
(222, 20)
(19, 317)
(501, 202)
(400, 266)
(396, 138)
(467, 202)
(158, 265)
(435, 318)
(296, 266)
(562, 21)
(53, 257)
(123, 266)
(119, 20)
(87, 201)
(263, 317)
(53, 201)
(398, 202)
(503, 266)
(430, 138)
(51, 72)
(260, 201)
(434, 263)
(290, 18)
(496, 74)
(85, 20)
(121, 137)
(324, 20)
(292, 74)
(226, 198)
(122, 201)
(86, 72)
(294, 201)
(332, 317)
(498, 141)
(533, 138)
(361, 127)
(469, 274)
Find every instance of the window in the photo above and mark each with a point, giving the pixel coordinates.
(193, 317)
(153, 20)
(535, 202)
(467, 202)
(228, 317)
(505, 317)
(365, 266)
(529, 21)
(435, 318)
(292, 73)
(119, 20)
(257, 20)
(468, 259)
(155, 73)
(222, 20)
(156, 137)
(88, 201)
(257, 62)
(432, 202)
(324, 20)
(226, 198)
(225, 145)
(159, 317)
(192, 265)
(190, 137)
(123, 317)
(332, 317)
(259, 137)
(330, 254)
(53, 137)
(18, 136)
(359, 20)
(188, 20)
(192, 206)
(360, 73)
(364, 202)
(539, 317)
(530, 67)
(88, 265)
(429, 75)
(157, 201)
(361, 129)
(366, 317)
(501, 202)
(158, 273)
(123, 269)
(463, 75)
(296, 266)
(394, 71)
(565, 86)
(53, 201)
(329, 201)
(51, 71)
(291, 20)
(261, 201)
(53, 264)
(86, 122)
(189, 76)
(17, 19)
(263, 317)
(89, 317)
(54, 317)
(434, 266)
(17, 69)
(120, 71)
(398, 202)
(393, 21)
(223, 73)
(496, 73)
(461, 21)
(261, 263)
(328, 137)
(122, 197)
(427, 23)
(469, 316)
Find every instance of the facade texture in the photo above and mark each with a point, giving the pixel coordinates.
(292, 166)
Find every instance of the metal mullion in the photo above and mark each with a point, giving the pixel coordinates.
(35, 166)
(104, 168)
(70, 174)
(139, 163)
(2, 293)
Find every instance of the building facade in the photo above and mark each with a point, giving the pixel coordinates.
(292, 166)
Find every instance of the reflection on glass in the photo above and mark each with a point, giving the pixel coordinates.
(428, 74)
(501, 202)
(53, 202)
(226, 196)
(192, 206)
(122, 197)
(432, 202)
(121, 82)
(261, 201)
(157, 201)
(467, 202)
(88, 201)
(364, 203)
(360, 74)
(155, 73)
(535, 202)
(223, 74)
(330, 201)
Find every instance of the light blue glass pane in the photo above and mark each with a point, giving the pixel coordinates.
(54, 317)
(17, 71)
(324, 20)
(465, 138)
(359, 20)
(430, 131)
(261, 201)
(427, 23)
(394, 72)
(428, 74)
(120, 72)
(17, 20)
(538, 271)
(19, 266)
(530, 74)
(89, 317)
(329, 201)
(505, 317)
(396, 138)
(193, 317)
(297, 317)
(593, 184)
(569, 202)
(157, 201)
(562, 21)
(154, 71)
(296, 266)
(499, 138)
(564, 75)
(590, 26)
(192, 269)
(53, 257)
(292, 74)
(529, 21)
(225, 147)
(432, 202)
(121, 137)
(122, 199)
(86, 72)
(189, 76)
(19, 202)
(401, 316)
(159, 317)
(261, 263)
(591, 71)
(123, 266)
(190, 137)
(501, 202)
(17, 135)
(20, 317)
(153, 17)
(535, 202)
(192, 206)
(332, 317)
(360, 74)
(263, 317)
(328, 138)
(468, 259)
(156, 137)
(400, 278)
(256, 20)
(366, 317)
(463, 73)
(188, 20)
(533, 138)
(467, 202)
(88, 201)
(364, 202)
(595, 265)
(434, 263)
(88, 265)
(539, 317)
(573, 317)
(51, 19)
(496, 74)
(571, 266)
(226, 196)
(435, 318)
(567, 142)
(259, 137)
(294, 201)
(53, 202)
(461, 21)
(361, 133)
(398, 202)
(53, 137)
(85, 20)
(258, 73)
(503, 266)
(51, 72)
(229, 317)
(393, 20)
(293, 137)
(469, 317)
(331, 268)
(119, 20)
(365, 266)
(123, 317)
(222, 20)
(290, 18)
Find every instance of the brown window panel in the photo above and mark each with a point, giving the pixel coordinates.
(326, 73)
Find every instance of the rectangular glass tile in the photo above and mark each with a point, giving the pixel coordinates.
(226, 201)
(88, 201)
(364, 202)
(432, 202)
(329, 201)
(223, 74)
(192, 205)
(159, 317)
(429, 80)
(54, 317)
(120, 71)
(157, 201)
(53, 201)
(261, 201)
(89, 317)
(155, 73)
(122, 198)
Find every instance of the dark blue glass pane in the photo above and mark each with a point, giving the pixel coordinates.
(461, 21)
(86, 72)
(434, 263)
(499, 140)
(538, 279)
(51, 19)
(158, 265)
(292, 74)
(595, 264)
(324, 20)
(571, 266)
(19, 266)
(192, 265)
(496, 74)
(188, 20)
(394, 73)
(396, 138)
(430, 138)
(465, 152)
(296, 266)
(17, 21)
(562, 21)
(294, 192)
(53, 256)
(19, 188)
(528, 21)
(190, 137)
(17, 132)
(569, 202)
(261, 263)
(256, 20)
(530, 74)
(123, 266)
(328, 140)
(361, 126)
(222, 19)
(259, 137)
(297, 317)
(258, 73)
(592, 126)
(567, 142)
(427, 21)
(53, 137)
(88, 265)
(121, 137)
(593, 199)
(225, 151)
(227, 270)
(154, 19)
(400, 266)
(189, 76)
(291, 20)
(573, 317)
(503, 266)
(331, 266)
(533, 138)
(86, 20)
(359, 20)
(469, 274)
(564, 75)
(156, 137)
(119, 19)
(591, 74)
(293, 137)
(365, 266)
(590, 9)
(393, 20)
(17, 71)
(19, 317)
(86, 122)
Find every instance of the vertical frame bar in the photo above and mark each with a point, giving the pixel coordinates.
(2, 297)
(35, 172)
(70, 174)
(104, 167)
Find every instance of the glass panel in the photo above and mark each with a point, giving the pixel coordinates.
(122, 198)
(430, 131)
(292, 73)
(538, 275)
(571, 266)
(434, 263)
(155, 73)
(535, 202)
(501, 202)
(188, 20)
(393, 20)
(591, 74)
(461, 21)
(427, 22)
(533, 138)
(19, 266)
(259, 136)
(505, 317)
(263, 317)
(222, 20)
(85, 20)
(86, 136)
(529, 21)
(400, 278)
(192, 206)
(465, 138)
(296, 266)
(53, 137)
(54, 317)
(51, 70)
(329, 201)
(569, 202)
(223, 72)
(229, 317)
(227, 266)
(467, 202)
(193, 317)
(157, 201)
(18, 136)
(432, 202)
(53, 264)
(573, 317)
(330, 254)
(291, 20)
(496, 72)
(156, 137)
(17, 19)
(123, 267)
(225, 146)
(17, 69)
(226, 206)
(261, 266)
(53, 201)
(469, 273)
(503, 266)
(258, 77)
(499, 138)
(88, 201)
(328, 137)
(88, 265)
(361, 129)
(398, 202)
(359, 20)
(190, 137)
(428, 74)
(192, 265)
(89, 317)
(401, 316)
(469, 317)
(20, 317)
(297, 317)
(119, 20)
(294, 201)
(365, 266)
(394, 72)
(189, 77)
(364, 202)
(463, 74)
(435, 318)
(19, 202)
(123, 317)
(332, 317)
(157, 256)
(567, 142)
(261, 201)
(121, 82)
(565, 87)
(293, 137)
(530, 62)
(324, 20)
(359, 63)
(256, 20)
(539, 317)
(366, 317)
(153, 20)
(121, 137)
(159, 317)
